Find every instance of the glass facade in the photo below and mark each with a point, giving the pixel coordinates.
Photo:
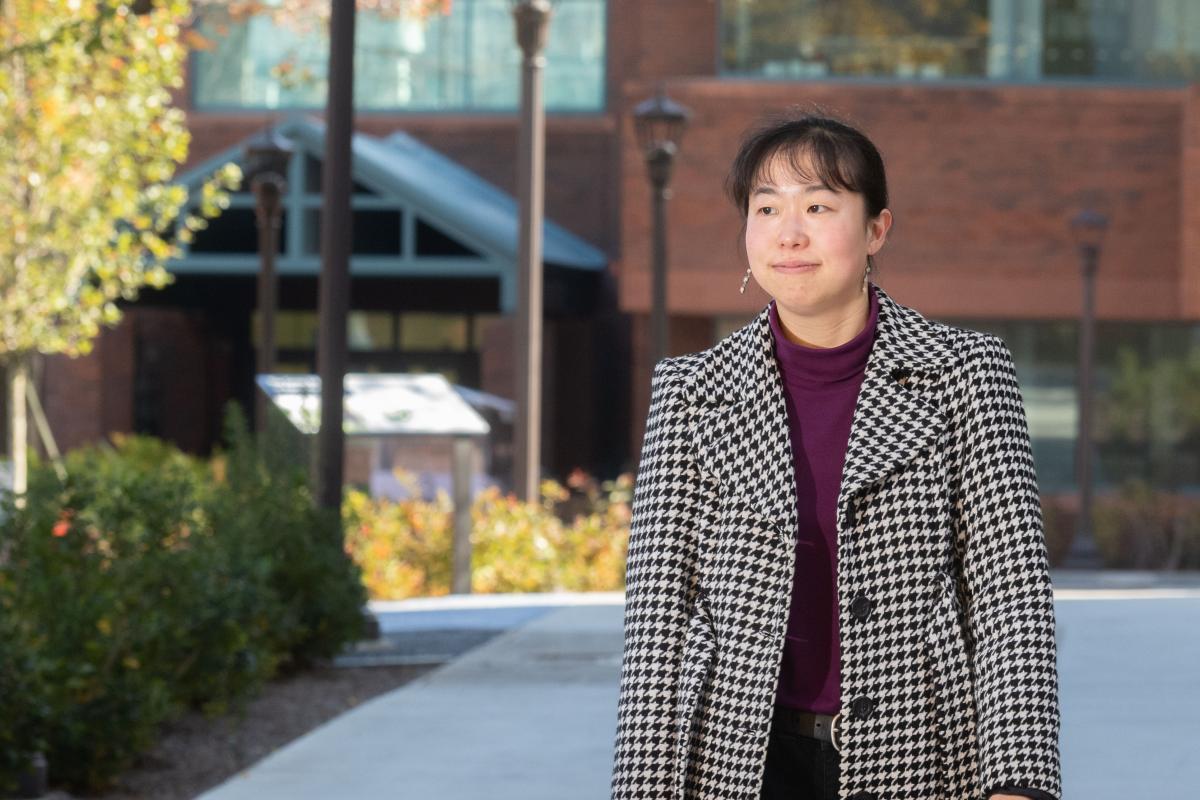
(467, 60)
(386, 341)
(1146, 400)
(1006, 40)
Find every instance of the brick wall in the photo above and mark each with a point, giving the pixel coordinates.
(1188, 215)
(90, 397)
(983, 182)
(983, 179)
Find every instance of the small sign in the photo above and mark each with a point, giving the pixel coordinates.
(378, 404)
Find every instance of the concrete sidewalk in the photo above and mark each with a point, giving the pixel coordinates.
(530, 714)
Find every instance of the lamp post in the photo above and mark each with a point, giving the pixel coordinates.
(334, 289)
(1087, 229)
(531, 18)
(267, 158)
(659, 123)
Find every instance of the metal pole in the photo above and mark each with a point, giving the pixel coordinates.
(335, 255)
(267, 190)
(1083, 550)
(658, 308)
(659, 162)
(18, 433)
(531, 17)
(462, 468)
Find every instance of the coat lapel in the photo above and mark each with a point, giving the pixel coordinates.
(742, 426)
(894, 422)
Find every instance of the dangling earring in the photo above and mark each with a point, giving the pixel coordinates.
(866, 274)
(745, 278)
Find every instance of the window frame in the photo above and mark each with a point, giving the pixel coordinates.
(1056, 82)
(420, 111)
(293, 257)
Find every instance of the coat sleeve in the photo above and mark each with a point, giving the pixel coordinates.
(1006, 581)
(659, 588)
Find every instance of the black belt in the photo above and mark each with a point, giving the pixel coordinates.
(805, 723)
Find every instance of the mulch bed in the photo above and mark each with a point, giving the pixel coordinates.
(195, 754)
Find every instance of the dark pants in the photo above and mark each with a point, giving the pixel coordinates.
(800, 768)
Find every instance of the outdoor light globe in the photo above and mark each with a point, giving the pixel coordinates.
(660, 122)
(531, 17)
(1087, 229)
(267, 153)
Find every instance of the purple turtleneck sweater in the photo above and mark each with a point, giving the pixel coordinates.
(821, 386)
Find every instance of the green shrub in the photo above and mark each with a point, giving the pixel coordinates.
(1143, 527)
(267, 516)
(23, 700)
(136, 610)
(1059, 528)
(149, 581)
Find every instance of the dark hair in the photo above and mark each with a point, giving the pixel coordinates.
(843, 157)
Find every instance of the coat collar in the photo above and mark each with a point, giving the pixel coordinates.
(742, 427)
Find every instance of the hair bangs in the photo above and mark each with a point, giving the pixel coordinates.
(812, 149)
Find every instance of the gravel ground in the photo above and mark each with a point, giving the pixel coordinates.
(195, 754)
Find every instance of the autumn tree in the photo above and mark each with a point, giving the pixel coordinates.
(89, 143)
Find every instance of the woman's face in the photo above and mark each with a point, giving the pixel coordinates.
(807, 243)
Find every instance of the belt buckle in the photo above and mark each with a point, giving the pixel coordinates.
(833, 732)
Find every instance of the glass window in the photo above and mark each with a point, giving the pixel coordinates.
(422, 331)
(483, 328)
(1012, 40)
(465, 60)
(293, 367)
(235, 230)
(1145, 395)
(374, 232)
(432, 241)
(825, 38)
(298, 330)
(371, 330)
(294, 330)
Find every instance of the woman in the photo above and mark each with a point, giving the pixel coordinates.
(837, 583)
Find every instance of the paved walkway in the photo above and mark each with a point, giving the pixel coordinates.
(530, 713)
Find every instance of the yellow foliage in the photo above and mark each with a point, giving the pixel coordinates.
(574, 540)
(89, 141)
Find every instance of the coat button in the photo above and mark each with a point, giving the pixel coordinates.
(862, 707)
(860, 607)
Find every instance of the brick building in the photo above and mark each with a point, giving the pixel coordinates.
(998, 121)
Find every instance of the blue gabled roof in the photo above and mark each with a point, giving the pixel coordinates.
(456, 200)
(493, 212)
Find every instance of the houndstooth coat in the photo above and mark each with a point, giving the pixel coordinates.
(949, 676)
